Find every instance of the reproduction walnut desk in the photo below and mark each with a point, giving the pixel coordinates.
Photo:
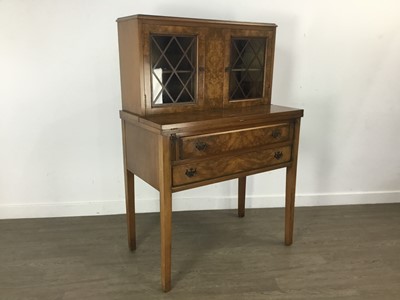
(196, 110)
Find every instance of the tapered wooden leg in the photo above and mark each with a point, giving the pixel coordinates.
(166, 220)
(165, 212)
(129, 196)
(291, 187)
(241, 196)
(130, 209)
(289, 205)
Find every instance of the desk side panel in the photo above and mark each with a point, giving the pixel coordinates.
(142, 153)
(131, 70)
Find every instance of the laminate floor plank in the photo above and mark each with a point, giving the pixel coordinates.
(339, 252)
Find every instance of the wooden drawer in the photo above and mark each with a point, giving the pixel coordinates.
(209, 144)
(221, 166)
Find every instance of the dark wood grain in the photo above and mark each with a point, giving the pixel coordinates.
(214, 86)
(209, 144)
(217, 167)
(228, 177)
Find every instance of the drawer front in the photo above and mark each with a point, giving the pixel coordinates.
(222, 166)
(202, 145)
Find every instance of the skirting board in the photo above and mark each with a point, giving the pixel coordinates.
(46, 210)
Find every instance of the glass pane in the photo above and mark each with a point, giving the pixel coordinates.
(247, 68)
(173, 67)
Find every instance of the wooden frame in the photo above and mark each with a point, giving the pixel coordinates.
(180, 147)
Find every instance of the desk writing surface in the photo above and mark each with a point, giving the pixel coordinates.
(220, 117)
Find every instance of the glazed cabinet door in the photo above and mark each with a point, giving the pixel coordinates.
(248, 67)
(173, 59)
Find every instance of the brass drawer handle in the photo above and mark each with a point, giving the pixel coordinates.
(201, 146)
(278, 155)
(191, 172)
(276, 133)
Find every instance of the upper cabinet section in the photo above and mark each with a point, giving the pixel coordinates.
(181, 65)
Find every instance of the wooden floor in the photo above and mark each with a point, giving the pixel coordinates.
(342, 252)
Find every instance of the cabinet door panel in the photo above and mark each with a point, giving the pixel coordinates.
(174, 68)
(248, 67)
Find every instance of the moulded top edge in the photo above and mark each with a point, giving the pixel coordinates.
(193, 20)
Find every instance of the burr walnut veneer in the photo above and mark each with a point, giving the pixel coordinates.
(196, 110)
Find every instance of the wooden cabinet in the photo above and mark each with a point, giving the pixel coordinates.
(181, 65)
(196, 110)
